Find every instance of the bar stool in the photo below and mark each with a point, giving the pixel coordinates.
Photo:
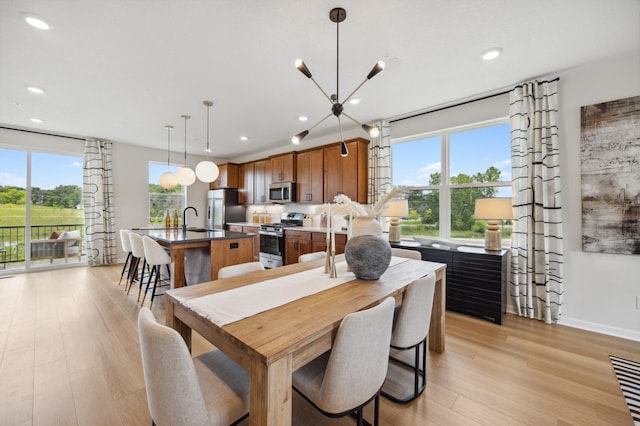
(156, 256)
(137, 252)
(125, 243)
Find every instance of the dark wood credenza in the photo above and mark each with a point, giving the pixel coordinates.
(476, 278)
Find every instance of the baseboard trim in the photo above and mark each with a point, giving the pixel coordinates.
(599, 328)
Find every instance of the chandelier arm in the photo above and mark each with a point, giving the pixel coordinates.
(322, 90)
(354, 91)
(318, 123)
(351, 118)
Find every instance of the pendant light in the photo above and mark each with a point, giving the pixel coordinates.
(207, 171)
(184, 174)
(338, 15)
(167, 179)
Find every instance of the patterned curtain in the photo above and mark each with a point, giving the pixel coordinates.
(380, 163)
(537, 286)
(98, 203)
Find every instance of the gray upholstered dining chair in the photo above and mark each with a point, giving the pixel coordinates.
(410, 329)
(308, 257)
(350, 375)
(409, 254)
(182, 391)
(239, 269)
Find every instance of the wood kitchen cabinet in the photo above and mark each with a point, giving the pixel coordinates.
(245, 189)
(319, 242)
(256, 240)
(234, 228)
(283, 168)
(310, 177)
(295, 244)
(347, 175)
(228, 177)
(261, 181)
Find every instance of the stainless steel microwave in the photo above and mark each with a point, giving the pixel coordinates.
(282, 192)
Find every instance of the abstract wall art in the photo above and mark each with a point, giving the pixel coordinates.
(610, 170)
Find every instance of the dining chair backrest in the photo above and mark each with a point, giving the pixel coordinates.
(239, 269)
(308, 257)
(154, 253)
(125, 243)
(409, 254)
(411, 325)
(359, 359)
(137, 249)
(173, 390)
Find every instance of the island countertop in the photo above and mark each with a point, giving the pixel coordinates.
(192, 236)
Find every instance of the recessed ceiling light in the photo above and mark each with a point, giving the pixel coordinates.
(36, 120)
(36, 90)
(302, 118)
(244, 138)
(492, 53)
(37, 23)
(354, 101)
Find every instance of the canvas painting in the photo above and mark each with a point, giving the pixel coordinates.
(610, 169)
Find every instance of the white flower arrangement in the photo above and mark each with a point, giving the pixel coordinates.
(345, 206)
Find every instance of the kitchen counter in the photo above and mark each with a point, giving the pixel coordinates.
(177, 237)
(197, 255)
(295, 228)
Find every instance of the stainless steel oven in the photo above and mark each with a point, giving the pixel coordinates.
(271, 245)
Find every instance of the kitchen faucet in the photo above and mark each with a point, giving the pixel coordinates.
(184, 218)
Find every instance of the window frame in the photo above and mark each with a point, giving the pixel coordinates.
(172, 168)
(445, 187)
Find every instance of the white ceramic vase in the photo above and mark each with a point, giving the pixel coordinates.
(364, 225)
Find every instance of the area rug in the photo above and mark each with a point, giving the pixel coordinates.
(628, 374)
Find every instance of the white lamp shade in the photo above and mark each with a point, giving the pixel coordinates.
(397, 208)
(207, 171)
(498, 208)
(185, 176)
(168, 180)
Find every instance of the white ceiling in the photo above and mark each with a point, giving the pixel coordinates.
(122, 69)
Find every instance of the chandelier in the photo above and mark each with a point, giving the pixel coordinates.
(184, 174)
(167, 179)
(338, 15)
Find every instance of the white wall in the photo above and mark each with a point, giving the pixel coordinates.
(600, 289)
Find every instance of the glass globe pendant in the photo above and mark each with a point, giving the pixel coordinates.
(207, 171)
(168, 180)
(184, 175)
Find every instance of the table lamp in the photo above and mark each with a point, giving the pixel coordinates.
(395, 210)
(492, 210)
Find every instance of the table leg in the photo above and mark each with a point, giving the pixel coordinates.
(270, 396)
(437, 327)
(173, 322)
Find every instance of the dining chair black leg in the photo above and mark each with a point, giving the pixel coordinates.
(124, 267)
(154, 270)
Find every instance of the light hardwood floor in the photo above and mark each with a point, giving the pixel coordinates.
(70, 355)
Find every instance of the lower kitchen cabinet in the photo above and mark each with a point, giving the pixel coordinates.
(256, 241)
(476, 279)
(319, 242)
(295, 244)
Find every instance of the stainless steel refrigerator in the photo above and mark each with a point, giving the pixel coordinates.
(223, 208)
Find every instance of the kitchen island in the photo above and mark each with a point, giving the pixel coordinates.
(205, 251)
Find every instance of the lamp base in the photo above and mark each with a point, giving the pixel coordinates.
(492, 240)
(394, 231)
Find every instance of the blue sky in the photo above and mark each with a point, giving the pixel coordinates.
(48, 170)
(470, 152)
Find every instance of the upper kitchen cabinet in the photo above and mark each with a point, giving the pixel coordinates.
(347, 175)
(245, 178)
(261, 181)
(228, 177)
(283, 168)
(310, 178)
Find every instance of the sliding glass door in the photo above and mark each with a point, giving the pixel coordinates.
(41, 216)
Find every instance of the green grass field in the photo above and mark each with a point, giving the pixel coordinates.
(15, 215)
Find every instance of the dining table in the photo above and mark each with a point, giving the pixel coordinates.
(274, 321)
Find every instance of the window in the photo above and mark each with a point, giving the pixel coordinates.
(447, 171)
(162, 200)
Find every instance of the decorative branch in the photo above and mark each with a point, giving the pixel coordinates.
(344, 205)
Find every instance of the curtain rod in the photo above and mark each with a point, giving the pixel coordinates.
(43, 133)
(482, 98)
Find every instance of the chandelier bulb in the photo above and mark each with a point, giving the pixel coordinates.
(379, 66)
(297, 138)
(302, 67)
(344, 151)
